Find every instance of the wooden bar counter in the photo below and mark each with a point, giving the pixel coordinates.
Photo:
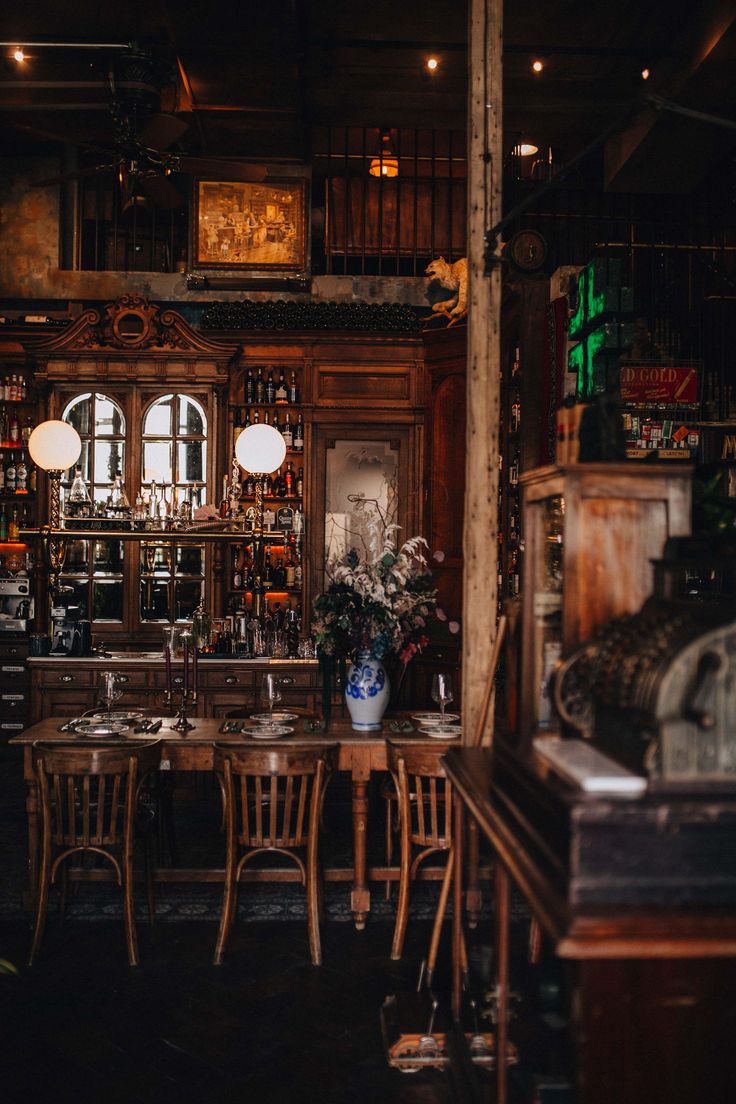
(360, 754)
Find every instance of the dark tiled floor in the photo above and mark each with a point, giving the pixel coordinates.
(266, 1027)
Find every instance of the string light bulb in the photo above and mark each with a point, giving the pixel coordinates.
(432, 64)
(19, 55)
(537, 66)
(645, 74)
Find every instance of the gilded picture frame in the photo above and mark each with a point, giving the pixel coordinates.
(256, 227)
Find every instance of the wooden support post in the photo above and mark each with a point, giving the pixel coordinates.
(484, 354)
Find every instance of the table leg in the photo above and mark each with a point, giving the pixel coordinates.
(360, 899)
(473, 898)
(33, 833)
(457, 905)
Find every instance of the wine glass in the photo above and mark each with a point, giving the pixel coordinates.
(441, 692)
(270, 693)
(110, 691)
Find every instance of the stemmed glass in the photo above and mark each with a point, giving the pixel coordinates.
(111, 692)
(270, 693)
(441, 693)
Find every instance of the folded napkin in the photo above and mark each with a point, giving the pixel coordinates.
(401, 726)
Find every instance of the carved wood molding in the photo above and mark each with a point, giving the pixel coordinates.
(132, 337)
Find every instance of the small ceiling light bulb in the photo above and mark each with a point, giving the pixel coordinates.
(645, 74)
(432, 64)
(537, 66)
(19, 55)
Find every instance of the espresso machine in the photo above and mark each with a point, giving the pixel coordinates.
(16, 605)
(71, 635)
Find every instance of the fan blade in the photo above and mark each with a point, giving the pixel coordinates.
(63, 139)
(227, 170)
(160, 190)
(161, 131)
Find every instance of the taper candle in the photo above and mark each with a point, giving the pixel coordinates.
(185, 638)
(195, 669)
(167, 658)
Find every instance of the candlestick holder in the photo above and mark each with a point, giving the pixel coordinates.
(189, 685)
(188, 701)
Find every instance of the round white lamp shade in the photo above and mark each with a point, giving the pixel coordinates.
(260, 449)
(54, 445)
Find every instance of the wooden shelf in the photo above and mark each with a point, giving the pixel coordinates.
(157, 537)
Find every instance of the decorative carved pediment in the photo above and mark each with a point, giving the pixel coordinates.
(131, 325)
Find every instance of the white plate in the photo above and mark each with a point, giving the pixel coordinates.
(442, 732)
(278, 717)
(268, 732)
(434, 718)
(84, 728)
(121, 716)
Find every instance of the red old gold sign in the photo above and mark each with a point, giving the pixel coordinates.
(659, 383)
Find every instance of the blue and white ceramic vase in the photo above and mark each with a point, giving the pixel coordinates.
(367, 691)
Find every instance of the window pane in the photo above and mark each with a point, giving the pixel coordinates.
(77, 554)
(157, 422)
(191, 420)
(109, 458)
(154, 600)
(109, 420)
(108, 557)
(189, 559)
(155, 559)
(157, 461)
(187, 596)
(191, 460)
(107, 600)
(78, 596)
(83, 462)
(79, 414)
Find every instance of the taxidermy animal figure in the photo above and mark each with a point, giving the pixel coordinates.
(455, 277)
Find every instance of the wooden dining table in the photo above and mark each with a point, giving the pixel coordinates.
(360, 754)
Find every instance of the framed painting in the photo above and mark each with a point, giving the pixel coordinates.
(251, 226)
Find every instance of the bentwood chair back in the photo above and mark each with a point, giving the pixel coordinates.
(425, 817)
(273, 799)
(88, 799)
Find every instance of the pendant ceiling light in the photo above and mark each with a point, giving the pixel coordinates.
(386, 163)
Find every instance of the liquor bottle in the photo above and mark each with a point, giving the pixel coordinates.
(280, 485)
(275, 420)
(282, 395)
(267, 570)
(266, 419)
(290, 564)
(270, 388)
(299, 434)
(3, 523)
(256, 417)
(515, 416)
(237, 554)
(250, 388)
(260, 387)
(293, 390)
(13, 396)
(286, 432)
(279, 574)
(267, 486)
(21, 476)
(514, 470)
(250, 486)
(289, 480)
(300, 484)
(32, 479)
(13, 527)
(27, 430)
(238, 426)
(10, 476)
(14, 429)
(23, 390)
(78, 498)
(2, 473)
(118, 497)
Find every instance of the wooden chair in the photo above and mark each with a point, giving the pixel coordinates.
(425, 817)
(273, 799)
(89, 801)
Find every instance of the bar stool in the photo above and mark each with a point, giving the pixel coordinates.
(273, 798)
(425, 817)
(89, 802)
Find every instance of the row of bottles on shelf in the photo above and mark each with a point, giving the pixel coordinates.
(284, 483)
(292, 432)
(11, 523)
(257, 389)
(281, 571)
(17, 477)
(14, 432)
(13, 389)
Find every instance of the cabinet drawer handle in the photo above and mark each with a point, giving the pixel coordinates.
(178, 680)
(286, 680)
(231, 680)
(66, 678)
(122, 678)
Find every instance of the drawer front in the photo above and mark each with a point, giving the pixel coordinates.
(12, 676)
(57, 703)
(65, 677)
(17, 650)
(296, 678)
(13, 704)
(127, 679)
(225, 705)
(226, 678)
(12, 727)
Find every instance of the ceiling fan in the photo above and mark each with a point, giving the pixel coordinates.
(143, 134)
